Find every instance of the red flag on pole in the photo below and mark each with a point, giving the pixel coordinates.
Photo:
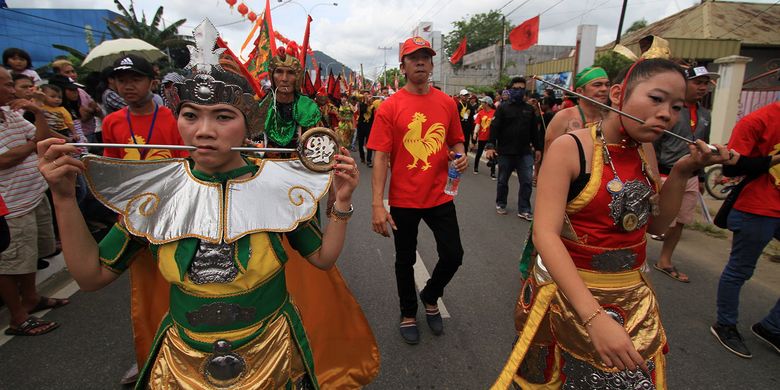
(526, 34)
(337, 89)
(308, 86)
(459, 52)
(331, 87)
(318, 79)
(305, 42)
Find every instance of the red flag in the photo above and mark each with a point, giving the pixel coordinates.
(308, 86)
(459, 52)
(526, 34)
(318, 80)
(305, 42)
(337, 89)
(331, 88)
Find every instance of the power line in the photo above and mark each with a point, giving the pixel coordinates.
(578, 16)
(551, 7)
(54, 21)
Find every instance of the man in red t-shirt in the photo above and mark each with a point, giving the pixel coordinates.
(418, 131)
(142, 121)
(755, 220)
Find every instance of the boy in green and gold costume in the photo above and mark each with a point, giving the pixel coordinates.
(233, 318)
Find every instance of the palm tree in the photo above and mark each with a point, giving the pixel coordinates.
(127, 25)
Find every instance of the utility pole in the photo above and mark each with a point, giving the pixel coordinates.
(503, 43)
(620, 24)
(503, 37)
(384, 67)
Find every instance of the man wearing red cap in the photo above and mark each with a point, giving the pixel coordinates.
(410, 130)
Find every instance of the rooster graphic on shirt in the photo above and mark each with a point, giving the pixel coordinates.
(420, 142)
(151, 154)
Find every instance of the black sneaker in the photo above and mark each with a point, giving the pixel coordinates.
(409, 331)
(766, 336)
(435, 322)
(729, 337)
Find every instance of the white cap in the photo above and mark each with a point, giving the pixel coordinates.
(700, 71)
(464, 92)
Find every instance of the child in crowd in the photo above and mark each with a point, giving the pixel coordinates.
(19, 61)
(58, 117)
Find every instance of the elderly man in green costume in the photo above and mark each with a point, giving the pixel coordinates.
(289, 112)
(591, 82)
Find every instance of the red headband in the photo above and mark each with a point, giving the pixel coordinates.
(623, 95)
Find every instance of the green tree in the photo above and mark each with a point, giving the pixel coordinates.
(612, 62)
(167, 39)
(390, 75)
(637, 25)
(481, 31)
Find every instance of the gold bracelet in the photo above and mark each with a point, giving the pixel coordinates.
(587, 322)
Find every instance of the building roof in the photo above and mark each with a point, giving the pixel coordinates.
(754, 24)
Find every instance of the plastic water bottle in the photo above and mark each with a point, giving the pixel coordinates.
(453, 177)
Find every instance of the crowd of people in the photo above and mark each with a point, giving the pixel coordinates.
(586, 314)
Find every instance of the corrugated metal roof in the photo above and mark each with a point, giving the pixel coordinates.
(549, 67)
(700, 49)
(706, 31)
(755, 24)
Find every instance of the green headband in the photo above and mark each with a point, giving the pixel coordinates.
(589, 74)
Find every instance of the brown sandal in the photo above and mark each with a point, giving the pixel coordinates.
(673, 273)
(29, 327)
(49, 303)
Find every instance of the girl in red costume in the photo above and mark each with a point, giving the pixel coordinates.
(586, 316)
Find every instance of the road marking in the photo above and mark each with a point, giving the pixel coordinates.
(421, 276)
(65, 292)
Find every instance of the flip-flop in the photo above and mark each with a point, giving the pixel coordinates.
(46, 303)
(671, 272)
(27, 327)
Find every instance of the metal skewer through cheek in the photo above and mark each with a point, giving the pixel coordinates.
(180, 147)
(316, 150)
(615, 110)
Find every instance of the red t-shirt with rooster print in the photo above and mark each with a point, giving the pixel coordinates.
(116, 130)
(417, 132)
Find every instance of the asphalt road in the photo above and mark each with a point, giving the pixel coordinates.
(92, 348)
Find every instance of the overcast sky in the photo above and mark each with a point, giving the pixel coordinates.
(353, 31)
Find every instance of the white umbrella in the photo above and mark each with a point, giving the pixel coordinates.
(104, 54)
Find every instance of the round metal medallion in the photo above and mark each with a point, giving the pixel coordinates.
(615, 186)
(318, 148)
(630, 222)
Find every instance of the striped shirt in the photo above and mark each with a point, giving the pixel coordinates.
(21, 186)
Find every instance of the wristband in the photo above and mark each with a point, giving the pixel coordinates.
(341, 215)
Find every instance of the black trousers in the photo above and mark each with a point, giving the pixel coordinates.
(444, 223)
(363, 131)
(480, 149)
